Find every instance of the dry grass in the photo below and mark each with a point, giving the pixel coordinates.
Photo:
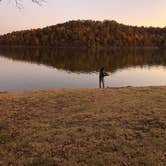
(115, 126)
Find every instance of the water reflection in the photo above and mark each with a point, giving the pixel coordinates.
(85, 61)
(76, 68)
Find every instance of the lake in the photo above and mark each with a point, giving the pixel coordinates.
(23, 69)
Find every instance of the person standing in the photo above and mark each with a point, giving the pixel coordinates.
(102, 74)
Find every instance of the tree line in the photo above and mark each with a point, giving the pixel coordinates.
(88, 33)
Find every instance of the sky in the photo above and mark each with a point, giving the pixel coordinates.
(130, 12)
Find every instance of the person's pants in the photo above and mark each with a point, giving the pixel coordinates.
(101, 82)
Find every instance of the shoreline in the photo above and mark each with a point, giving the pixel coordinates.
(77, 89)
(82, 47)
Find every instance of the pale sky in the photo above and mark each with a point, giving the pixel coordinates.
(133, 12)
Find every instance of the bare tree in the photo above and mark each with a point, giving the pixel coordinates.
(19, 2)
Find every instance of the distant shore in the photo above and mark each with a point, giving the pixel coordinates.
(112, 126)
(81, 47)
(89, 34)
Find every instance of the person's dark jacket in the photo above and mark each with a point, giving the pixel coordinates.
(102, 73)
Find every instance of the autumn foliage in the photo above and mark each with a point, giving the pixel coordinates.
(88, 33)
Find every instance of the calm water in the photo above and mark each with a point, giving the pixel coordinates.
(32, 68)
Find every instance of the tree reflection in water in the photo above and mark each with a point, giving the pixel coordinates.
(85, 60)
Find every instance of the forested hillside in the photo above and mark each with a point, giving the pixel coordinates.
(87, 33)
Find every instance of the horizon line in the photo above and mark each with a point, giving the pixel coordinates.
(63, 22)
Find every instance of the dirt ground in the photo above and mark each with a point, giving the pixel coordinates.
(114, 127)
